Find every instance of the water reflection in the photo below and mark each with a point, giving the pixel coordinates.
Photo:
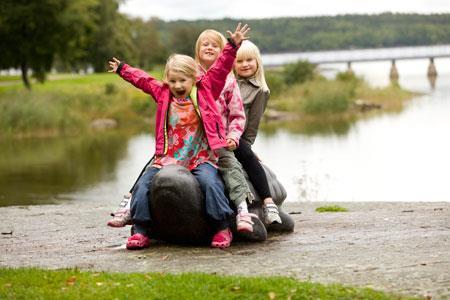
(339, 126)
(38, 171)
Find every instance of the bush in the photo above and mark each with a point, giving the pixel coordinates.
(275, 82)
(346, 76)
(298, 72)
(110, 88)
(327, 97)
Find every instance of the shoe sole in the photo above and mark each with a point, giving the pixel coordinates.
(244, 229)
(220, 246)
(137, 247)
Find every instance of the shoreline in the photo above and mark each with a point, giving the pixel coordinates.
(395, 247)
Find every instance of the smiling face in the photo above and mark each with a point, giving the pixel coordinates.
(180, 85)
(208, 52)
(246, 67)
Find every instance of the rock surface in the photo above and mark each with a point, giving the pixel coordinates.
(177, 208)
(396, 247)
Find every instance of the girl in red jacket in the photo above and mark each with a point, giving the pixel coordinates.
(188, 131)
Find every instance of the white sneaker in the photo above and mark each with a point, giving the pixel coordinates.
(271, 214)
(122, 216)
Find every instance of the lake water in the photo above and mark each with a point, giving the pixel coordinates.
(391, 157)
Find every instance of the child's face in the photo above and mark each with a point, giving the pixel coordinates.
(180, 85)
(209, 51)
(246, 67)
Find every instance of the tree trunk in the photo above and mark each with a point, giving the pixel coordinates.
(24, 69)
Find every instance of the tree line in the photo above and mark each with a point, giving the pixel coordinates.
(75, 35)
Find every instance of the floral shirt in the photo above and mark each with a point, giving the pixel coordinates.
(231, 108)
(187, 142)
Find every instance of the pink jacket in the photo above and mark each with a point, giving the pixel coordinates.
(209, 88)
(231, 108)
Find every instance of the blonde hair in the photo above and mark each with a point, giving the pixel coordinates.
(181, 64)
(250, 50)
(209, 34)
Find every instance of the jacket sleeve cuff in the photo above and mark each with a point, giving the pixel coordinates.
(231, 42)
(119, 68)
(234, 138)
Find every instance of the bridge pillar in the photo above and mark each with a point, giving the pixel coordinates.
(432, 72)
(349, 67)
(393, 74)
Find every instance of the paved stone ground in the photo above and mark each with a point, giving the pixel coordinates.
(396, 247)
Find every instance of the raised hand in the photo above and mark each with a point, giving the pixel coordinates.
(113, 64)
(239, 34)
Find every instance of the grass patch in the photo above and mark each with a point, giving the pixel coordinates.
(75, 284)
(323, 99)
(331, 208)
(68, 104)
(6, 78)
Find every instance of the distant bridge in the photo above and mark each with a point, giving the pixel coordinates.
(358, 55)
(364, 55)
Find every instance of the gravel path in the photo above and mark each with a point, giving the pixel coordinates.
(396, 247)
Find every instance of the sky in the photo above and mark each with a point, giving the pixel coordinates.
(216, 9)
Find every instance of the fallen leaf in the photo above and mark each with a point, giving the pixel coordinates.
(71, 280)
(165, 257)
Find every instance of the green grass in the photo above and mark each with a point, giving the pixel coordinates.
(75, 284)
(5, 78)
(331, 208)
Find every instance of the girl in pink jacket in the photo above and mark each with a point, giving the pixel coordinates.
(188, 132)
(207, 49)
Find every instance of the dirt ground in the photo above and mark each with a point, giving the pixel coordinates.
(396, 247)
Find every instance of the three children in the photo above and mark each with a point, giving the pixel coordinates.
(186, 137)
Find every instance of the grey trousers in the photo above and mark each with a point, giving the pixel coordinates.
(233, 177)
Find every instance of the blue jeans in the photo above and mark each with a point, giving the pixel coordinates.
(217, 207)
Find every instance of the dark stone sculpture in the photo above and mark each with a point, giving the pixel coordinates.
(177, 209)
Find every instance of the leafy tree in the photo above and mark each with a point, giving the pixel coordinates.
(147, 43)
(30, 32)
(79, 26)
(183, 38)
(112, 36)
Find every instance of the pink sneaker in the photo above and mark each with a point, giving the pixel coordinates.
(222, 239)
(244, 222)
(137, 242)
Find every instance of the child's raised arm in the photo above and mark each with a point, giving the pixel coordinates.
(136, 77)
